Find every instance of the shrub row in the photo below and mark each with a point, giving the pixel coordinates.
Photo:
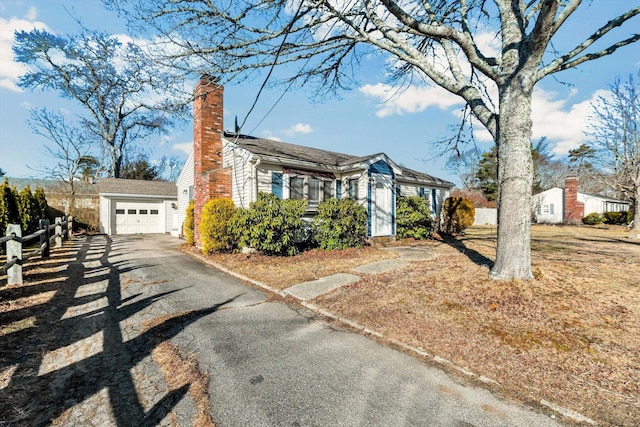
(613, 218)
(277, 227)
(24, 207)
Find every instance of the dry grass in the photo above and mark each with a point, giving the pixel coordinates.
(571, 337)
(283, 272)
(180, 370)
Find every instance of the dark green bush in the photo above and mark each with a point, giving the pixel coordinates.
(189, 225)
(41, 205)
(271, 225)
(615, 218)
(458, 214)
(340, 224)
(214, 225)
(27, 211)
(594, 218)
(9, 213)
(413, 218)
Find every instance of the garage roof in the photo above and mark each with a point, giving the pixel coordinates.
(137, 187)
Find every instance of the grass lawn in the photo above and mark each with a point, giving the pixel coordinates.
(571, 336)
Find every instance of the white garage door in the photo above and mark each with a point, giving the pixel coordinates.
(132, 217)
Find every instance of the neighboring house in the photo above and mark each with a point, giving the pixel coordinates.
(567, 205)
(239, 166)
(130, 206)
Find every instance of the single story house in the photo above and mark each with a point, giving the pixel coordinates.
(568, 205)
(129, 206)
(236, 166)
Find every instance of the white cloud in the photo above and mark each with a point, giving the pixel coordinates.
(298, 128)
(10, 70)
(185, 147)
(269, 135)
(561, 122)
(412, 100)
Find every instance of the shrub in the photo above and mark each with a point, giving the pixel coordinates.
(594, 218)
(189, 225)
(413, 218)
(8, 206)
(214, 222)
(271, 225)
(340, 224)
(615, 218)
(457, 215)
(41, 206)
(629, 216)
(27, 211)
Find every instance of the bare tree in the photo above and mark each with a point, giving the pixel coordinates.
(435, 40)
(69, 145)
(615, 135)
(125, 96)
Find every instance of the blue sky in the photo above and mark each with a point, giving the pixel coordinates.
(358, 123)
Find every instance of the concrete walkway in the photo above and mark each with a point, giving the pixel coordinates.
(309, 290)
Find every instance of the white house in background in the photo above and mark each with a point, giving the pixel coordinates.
(129, 206)
(240, 166)
(567, 205)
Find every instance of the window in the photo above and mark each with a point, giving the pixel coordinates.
(545, 209)
(353, 189)
(154, 211)
(314, 192)
(190, 192)
(119, 211)
(143, 212)
(327, 190)
(131, 211)
(296, 188)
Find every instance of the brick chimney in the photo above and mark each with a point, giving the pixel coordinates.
(573, 209)
(211, 180)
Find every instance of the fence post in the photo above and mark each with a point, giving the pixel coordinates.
(44, 238)
(58, 230)
(14, 250)
(69, 227)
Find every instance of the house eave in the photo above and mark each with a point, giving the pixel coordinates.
(137, 196)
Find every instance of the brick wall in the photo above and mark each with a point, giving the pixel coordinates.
(211, 180)
(573, 209)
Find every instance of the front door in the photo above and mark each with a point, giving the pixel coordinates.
(381, 206)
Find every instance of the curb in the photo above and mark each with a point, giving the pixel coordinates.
(564, 412)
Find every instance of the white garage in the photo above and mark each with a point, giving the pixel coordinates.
(137, 207)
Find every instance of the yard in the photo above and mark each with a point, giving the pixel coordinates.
(571, 337)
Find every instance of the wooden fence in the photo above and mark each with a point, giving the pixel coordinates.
(57, 232)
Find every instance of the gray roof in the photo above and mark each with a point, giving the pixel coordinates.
(268, 148)
(137, 187)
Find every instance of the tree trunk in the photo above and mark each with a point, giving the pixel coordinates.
(636, 212)
(515, 178)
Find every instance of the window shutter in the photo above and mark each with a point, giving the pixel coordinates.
(276, 184)
(434, 201)
(339, 189)
(421, 192)
(551, 208)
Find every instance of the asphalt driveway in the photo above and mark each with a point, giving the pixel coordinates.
(268, 363)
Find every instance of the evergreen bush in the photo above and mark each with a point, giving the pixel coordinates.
(41, 205)
(9, 213)
(615, 218)
(413, 218)
(271, 225)
(594, 218)
(27, 211)
(214, 222)
(458, 214)
(189, 225)
(340, 224)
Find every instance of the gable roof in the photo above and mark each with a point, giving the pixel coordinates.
(282, 152)
(137, 187)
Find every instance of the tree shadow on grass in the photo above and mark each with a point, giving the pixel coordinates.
(472, 254)
(75, 347)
